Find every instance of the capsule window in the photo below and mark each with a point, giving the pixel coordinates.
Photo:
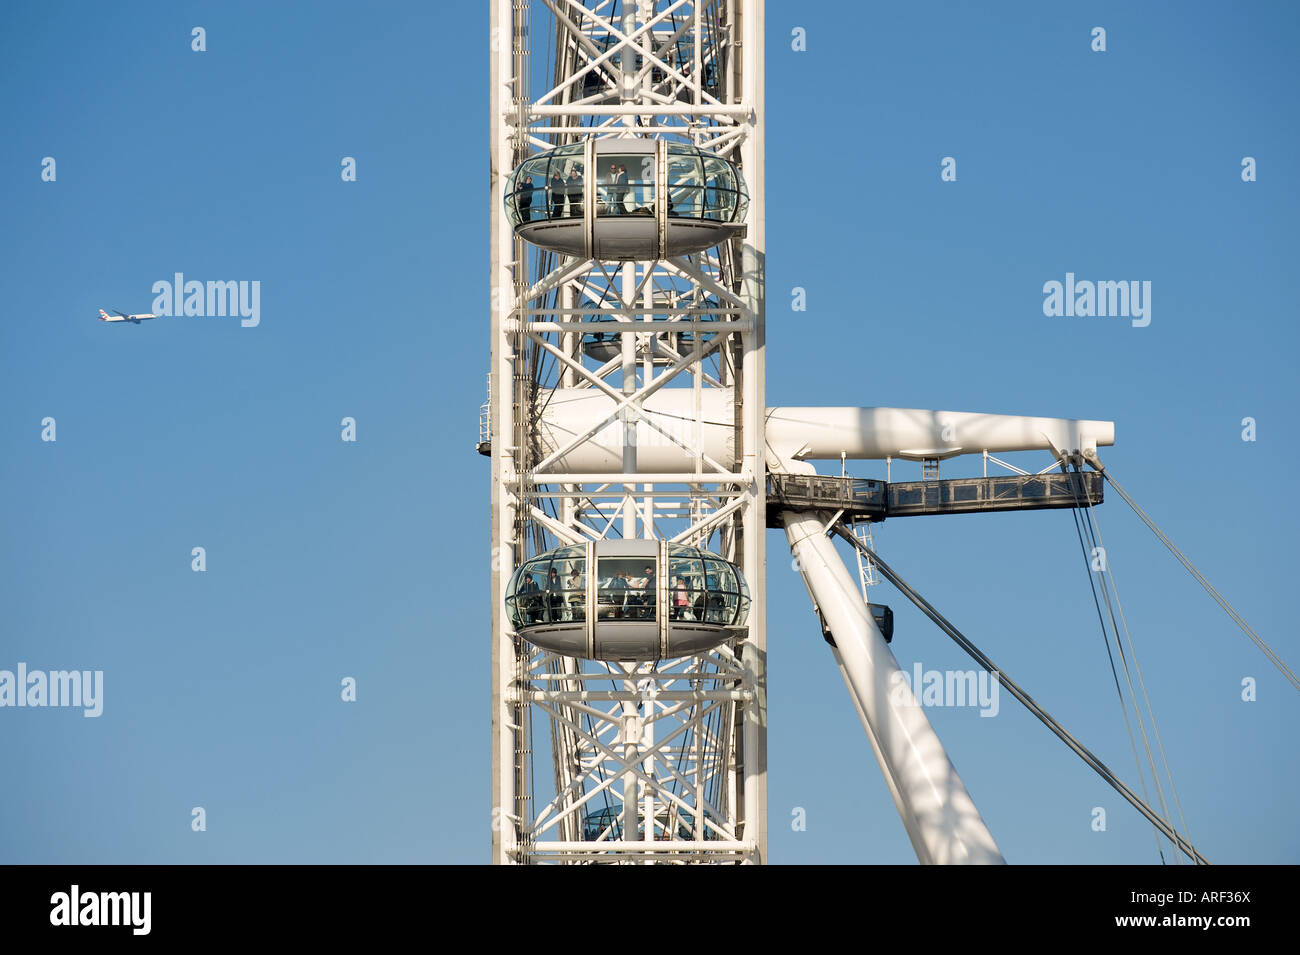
(564, 187)
(625, 185)
(526, 194)
(627, 588)
(685, 187)
(528, 604)
(573, 589)
(720, 194)
(685, 587)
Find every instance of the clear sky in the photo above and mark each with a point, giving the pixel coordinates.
(328, 559)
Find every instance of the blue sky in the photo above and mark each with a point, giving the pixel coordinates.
(328, 559)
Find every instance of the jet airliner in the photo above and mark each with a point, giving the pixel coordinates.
(122, 317)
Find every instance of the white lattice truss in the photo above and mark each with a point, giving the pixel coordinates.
(663, 760)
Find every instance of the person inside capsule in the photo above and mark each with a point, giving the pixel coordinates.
(648, 593)
(554, 595)
(576, 597)
(530, 599)
(682, 600)
(558, 191)
(618, 594)
(573, 186)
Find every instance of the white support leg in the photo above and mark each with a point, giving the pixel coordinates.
(937, 811)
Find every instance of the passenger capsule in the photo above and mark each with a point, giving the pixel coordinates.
(628, 600)
(626, 198)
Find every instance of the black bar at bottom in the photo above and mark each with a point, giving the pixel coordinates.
(474, 905)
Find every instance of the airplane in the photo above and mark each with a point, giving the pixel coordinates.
(122, 317)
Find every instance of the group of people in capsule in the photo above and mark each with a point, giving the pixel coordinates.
(563, 195)
(619, 596)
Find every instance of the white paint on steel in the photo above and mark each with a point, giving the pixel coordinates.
(680, 762)
(665, 431)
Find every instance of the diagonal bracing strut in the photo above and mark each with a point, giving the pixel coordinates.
(1047, 719)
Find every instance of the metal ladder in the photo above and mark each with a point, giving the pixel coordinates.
(867, 576)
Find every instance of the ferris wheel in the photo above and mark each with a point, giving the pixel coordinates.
(636, 466)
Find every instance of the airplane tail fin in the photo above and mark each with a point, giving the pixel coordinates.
(103, 315)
